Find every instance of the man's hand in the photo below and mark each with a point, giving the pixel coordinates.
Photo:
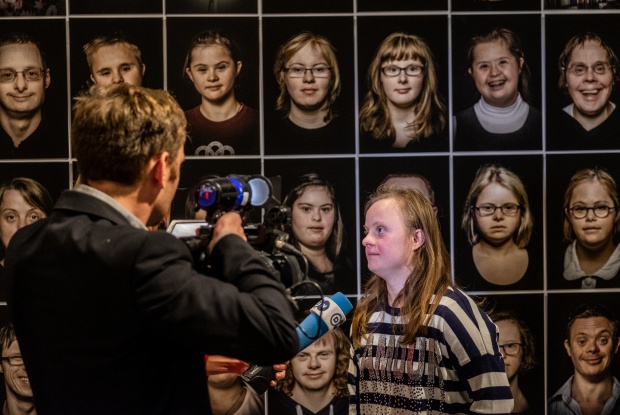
(217, 365)
(228, 223)
(280, 370)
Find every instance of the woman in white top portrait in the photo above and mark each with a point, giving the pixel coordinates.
(591, 225)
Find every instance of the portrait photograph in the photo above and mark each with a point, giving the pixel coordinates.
(426, 174)
(582, 76)
(496, 77)
(522, 342)
(495, 5)
(105, 51)
(400, 5)
(211, 6)
(115, 7)
(38, 45)
(308, 85)
(316, 7)
(321, 197)
(562, 308)
(403, 84)
(498, 223)
(583, 222)
(32, 8)
(213, 72)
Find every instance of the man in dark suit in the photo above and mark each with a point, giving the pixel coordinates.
(113, 319)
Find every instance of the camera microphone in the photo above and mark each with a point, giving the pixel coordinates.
(325, 316)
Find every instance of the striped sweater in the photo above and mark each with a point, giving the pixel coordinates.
(455, 368)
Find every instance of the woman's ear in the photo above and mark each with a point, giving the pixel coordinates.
(418, 239)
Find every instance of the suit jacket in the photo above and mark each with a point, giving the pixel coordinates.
(114, 320)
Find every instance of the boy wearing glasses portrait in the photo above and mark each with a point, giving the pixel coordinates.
(24, 77)
(308, 77)
(591, 343)
(591, 225)
(588, 71)
(19, 399)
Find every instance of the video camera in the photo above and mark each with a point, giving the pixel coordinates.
(243, 193)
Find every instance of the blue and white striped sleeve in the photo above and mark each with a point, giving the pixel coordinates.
(472, 340)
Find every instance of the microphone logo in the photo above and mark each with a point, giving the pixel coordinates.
(336, 320)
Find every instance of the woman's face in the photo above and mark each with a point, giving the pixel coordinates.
(590, 91)
(509, 334)
(307, 93)
(497, 228)
(496, 73)
(402, 91)
(313, 217)
(16, 213)
(591, 232)
(213, 72)
(388, 243)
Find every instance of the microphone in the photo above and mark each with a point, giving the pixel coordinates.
(325, 316)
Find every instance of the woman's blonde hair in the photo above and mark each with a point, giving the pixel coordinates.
(429, 108)
(430, 274)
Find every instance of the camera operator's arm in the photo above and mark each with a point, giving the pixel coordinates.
(240, 310)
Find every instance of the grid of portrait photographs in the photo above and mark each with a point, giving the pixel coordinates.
(501, 112)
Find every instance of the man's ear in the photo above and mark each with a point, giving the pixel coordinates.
(47, 79)
(158, 169)
(567, 347)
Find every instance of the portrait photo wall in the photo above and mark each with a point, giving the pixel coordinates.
(494, 110)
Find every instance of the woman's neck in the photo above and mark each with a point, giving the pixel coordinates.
(402, 122)
(318, 258)
(591, 260)
(307, 119)
(220, 110)
(520, 402)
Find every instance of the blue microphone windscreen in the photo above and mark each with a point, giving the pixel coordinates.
(343, 302)
(323, 318)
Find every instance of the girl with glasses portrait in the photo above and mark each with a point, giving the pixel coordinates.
(403, 110)
(498, 223)
(308, 77)
(591, 225)
(516, 343)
